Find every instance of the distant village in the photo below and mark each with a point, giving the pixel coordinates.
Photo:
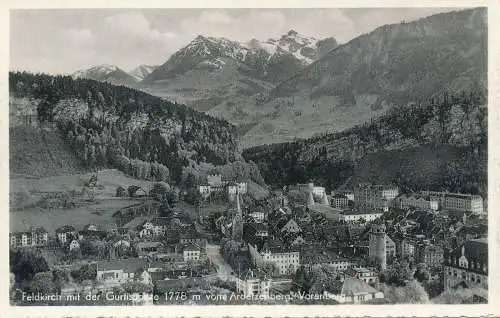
(297, 244)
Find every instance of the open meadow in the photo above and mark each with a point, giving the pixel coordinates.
(54, 201)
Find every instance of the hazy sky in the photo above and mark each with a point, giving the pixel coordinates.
(62, 41)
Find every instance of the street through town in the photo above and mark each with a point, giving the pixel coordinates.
(223, 269)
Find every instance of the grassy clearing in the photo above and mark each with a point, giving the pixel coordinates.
(27, 211)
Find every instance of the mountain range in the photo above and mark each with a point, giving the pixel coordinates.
(142, 71)
(392, 66)
(106, 73)
(297, 86)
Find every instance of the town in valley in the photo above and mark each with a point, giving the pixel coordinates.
(290, 171)
(294, 245)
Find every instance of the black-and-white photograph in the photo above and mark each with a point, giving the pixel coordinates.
(261, 156)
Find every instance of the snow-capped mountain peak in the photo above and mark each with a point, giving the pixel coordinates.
(291, 51)
(141, 71)
(106, 73)
(102, 70)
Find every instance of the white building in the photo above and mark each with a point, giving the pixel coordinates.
(118, 271)
(257, 216)
(426, 203)
(242, 187)
(353, 290)
(65, 233)
(362, 273)
(74, 245)
(458, 201)
(354, 216)
(318, 192)
(36, 236)
(286, 260)
(191, 252)
(205, 190)
(253, 283)
(339, 201)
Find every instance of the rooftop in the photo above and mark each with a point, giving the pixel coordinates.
(328, 211)
(315, 256)
(65, 228)
(277, 246)
(142, 245)
(354, 286)
(258, 226)
(128, 265)
(191, 247)
(253, 274)
(377, 186)
(360, 212)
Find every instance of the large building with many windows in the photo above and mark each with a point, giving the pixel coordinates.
(286, 259)
(339, 201)
(467, 266)
(430, 255)
(36, 236)
(416, 201)
(458, 201)
(375, 196)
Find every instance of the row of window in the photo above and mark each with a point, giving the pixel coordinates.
(472, 277)
(192, 253)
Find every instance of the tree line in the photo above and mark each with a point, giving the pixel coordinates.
(117, 126)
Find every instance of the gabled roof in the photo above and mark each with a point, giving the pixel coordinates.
(314, 256)
(277, 246)
(354, 286)
(290, 222)
(191, 247)
(250, 274)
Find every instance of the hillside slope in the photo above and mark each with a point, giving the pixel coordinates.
(115, 125)
(441, 143)
(39, 152)
(36, 151)
(392, 66)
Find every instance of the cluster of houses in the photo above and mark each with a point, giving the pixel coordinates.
(357, 233)
(283, 237)
(147, 236)
(216, 186)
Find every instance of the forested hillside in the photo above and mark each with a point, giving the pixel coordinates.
(109, 125)
(436, 144)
